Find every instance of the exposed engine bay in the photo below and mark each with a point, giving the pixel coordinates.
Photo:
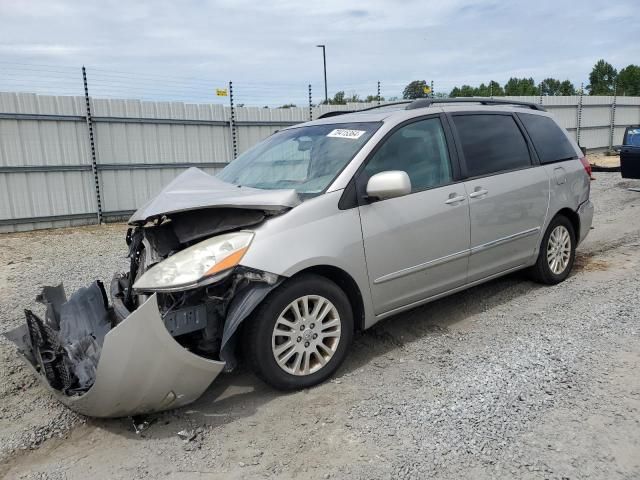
(67, 347)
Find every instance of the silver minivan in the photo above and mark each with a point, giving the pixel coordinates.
(322, 229)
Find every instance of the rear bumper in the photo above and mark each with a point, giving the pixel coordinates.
(141, 369)
(585, 212)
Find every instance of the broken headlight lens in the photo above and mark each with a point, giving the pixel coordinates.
(197, 264)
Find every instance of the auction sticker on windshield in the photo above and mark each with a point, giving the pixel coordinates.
(345, 133)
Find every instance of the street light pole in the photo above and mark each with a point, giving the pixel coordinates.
(324, 61)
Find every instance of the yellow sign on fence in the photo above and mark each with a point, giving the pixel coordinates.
(426, 89)
(221, 92)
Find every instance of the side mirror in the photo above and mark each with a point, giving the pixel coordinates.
(390, 184)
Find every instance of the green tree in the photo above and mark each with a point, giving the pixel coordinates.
(567, 88)
(467, 91)
(520, 86)
(550, 87)
(495, 89)
(602, 78)
(628, 82)
(354, 98)
(415, 90)
(481, 91)
(455, 92)
(288, 105)
(338, 99)
(373, 98)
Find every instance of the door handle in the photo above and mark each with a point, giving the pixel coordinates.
(478, 193)
(455, 199)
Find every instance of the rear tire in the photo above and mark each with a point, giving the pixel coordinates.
(300, 334)
(557, 252)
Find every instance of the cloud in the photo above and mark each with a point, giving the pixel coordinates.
(166, 49)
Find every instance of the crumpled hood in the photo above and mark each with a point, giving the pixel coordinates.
(195, 189)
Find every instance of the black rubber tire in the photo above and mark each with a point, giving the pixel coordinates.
(258, 331)
(541, 272)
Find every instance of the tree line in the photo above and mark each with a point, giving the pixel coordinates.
(604, 79)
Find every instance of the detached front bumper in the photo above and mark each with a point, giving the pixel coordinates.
(141, 369)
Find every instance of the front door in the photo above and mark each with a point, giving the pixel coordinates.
(416, 246)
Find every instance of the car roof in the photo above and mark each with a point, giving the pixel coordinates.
(398, 112)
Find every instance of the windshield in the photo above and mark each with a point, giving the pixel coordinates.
(306, 159)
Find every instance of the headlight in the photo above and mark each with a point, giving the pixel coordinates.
(197, 264)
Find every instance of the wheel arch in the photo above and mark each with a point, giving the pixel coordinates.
(573, 217)
(348, 286)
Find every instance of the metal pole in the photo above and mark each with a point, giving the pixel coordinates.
(324, 62)
(540, 87)
(433, 95)
(613, 116)
(491, 89)
(579, 115)
(378, 97)
(232, 122)
(310, 105)
(94, 162)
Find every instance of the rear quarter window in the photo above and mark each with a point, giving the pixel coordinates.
(550, 142)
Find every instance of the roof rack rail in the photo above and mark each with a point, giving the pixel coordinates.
(344, 112)
(427, 102)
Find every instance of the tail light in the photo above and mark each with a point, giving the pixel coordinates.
(587, 167)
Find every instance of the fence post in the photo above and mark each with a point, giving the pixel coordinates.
(540, 88)
(378, 96)
(94, 162)
(613, 116)
(433, 94)
(232, 122)
(579, 114)
(310, 105)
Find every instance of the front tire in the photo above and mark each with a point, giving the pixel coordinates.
(300, 334)
(557, 252)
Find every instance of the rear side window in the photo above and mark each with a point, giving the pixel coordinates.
(491, 144)
(548, 139)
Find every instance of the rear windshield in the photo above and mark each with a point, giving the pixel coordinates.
(306, 158)
(549, 140)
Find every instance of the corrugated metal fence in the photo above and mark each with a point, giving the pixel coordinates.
(48, 170)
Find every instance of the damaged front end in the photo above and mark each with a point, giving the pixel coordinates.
(170, 326)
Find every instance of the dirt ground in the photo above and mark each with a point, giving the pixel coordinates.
(509, 379)
(601, 159)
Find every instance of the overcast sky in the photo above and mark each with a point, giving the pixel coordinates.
(185, 49)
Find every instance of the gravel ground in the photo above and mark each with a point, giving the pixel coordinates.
(506, 380)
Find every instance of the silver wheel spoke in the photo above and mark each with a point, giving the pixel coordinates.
(321, 302)
(306, 335)
(333, 333)
(559, 249)
(295, 308)
(283, 333)
(324, 348)
(296, 364)
(287, 356)
(330, 324)
(320, 358)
